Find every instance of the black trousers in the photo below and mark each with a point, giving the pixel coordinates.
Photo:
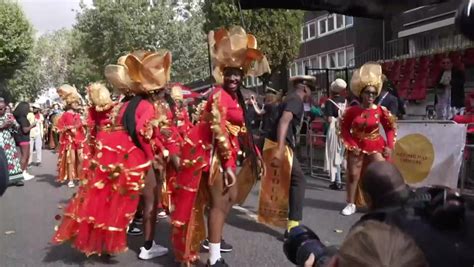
(297, 190)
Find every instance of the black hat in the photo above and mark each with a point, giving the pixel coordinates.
(297, 237)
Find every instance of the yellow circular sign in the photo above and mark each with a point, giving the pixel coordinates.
(414, 156)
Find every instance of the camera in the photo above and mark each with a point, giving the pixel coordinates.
(302, 242)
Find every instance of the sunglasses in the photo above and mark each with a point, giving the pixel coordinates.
(370, 93)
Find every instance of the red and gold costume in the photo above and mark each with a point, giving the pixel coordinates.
(97, 218)
(72, 137)
(213, 144)
(360, 127)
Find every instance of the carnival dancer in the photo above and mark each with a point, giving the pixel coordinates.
(179, 116)
(334, 154)
(210, 151)
(150, 71)
(7, 142)
(283, 188)
(72, 136)
(360, 131)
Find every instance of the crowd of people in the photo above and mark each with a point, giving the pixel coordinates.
(25, 130)
(139, 151)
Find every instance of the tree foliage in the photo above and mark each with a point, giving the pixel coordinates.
(111, 29)
(16, 41)
(278, 31)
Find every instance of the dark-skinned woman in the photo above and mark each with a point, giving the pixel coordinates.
(360, 131)
(209, 154)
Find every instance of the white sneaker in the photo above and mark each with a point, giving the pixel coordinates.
(155, 251)
(70, 184)
(349, 209)
(27, 176)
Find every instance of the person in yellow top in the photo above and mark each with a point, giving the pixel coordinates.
(36, 134)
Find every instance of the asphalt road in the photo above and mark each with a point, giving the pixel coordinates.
(27, 224)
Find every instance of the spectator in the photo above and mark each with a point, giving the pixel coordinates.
(449, 91)
(7, 143)
(269, 113)
(334, 154)
(22, 136)
(36, 134)
(387, 99)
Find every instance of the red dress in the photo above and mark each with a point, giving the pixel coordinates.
(360, 129)
(221, 123)
(97, 218)
(72, 138)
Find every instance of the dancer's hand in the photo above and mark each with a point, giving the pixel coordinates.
(176, 161)
(387, 151)
(276, 161)
(229, 178)
(261, 165)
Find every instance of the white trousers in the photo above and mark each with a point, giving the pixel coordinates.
(36, 145)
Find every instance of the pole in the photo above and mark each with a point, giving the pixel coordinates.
(209, 59)
(241, 14)
(383, 39)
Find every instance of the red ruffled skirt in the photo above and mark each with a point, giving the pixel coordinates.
(97, 218)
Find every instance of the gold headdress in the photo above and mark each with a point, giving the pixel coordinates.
(237, 49)
(68, 94)
(150, 70)
(99, 96)
(117, 75)
(370, 74)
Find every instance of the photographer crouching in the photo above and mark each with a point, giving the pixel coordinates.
(404, 227)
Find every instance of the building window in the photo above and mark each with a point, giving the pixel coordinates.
(349, 20)
(251, 81)
(350, 57)
(308, 31)
(322, 27)
(341, 58)
(314, 62)
(312, 30)
(323, 61)
(339, 21)
(333, 23)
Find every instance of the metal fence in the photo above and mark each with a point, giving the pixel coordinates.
(311, 153)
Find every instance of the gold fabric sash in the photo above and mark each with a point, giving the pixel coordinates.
(275, 187)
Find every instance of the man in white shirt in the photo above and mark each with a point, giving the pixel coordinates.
(36, 134)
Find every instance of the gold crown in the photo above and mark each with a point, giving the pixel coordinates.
(370, 74)
(235, 48)
(149, 70)
(99, 96)
(68, 94)
(117, 75)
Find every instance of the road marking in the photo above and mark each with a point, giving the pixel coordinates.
(247, 212)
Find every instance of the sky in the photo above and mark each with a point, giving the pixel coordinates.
(51, 15)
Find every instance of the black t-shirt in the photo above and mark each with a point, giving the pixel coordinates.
(20, 135)
(252, 117)
(270, 118)
(330, 110)
(294, 104)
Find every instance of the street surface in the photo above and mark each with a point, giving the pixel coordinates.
(27, 224)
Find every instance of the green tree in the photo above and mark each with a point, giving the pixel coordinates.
(54, 49)
(16, 41)
(278, 31)
(111, 29)
(26, 82)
